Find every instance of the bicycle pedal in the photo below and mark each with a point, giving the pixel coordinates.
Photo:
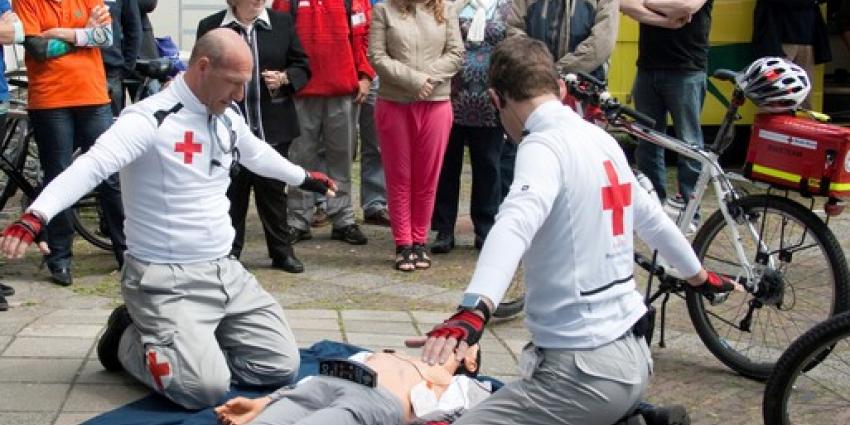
(718, 299)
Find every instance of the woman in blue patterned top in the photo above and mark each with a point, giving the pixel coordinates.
(476, 124)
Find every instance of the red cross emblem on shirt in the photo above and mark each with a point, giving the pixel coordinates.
(158, 370)
(616, 198)
(187, 148)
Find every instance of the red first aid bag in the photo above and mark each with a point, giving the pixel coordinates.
(800, 154)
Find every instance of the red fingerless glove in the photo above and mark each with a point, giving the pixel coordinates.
(715, 284)
(462, 326)
(27, 228)
(317, 181)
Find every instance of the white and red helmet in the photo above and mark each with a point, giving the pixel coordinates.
(775, 84)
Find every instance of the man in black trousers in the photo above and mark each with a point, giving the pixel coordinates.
(280, 70)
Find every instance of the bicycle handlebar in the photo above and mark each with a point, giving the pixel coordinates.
(158, 69)
(638, 116)
(724, 74)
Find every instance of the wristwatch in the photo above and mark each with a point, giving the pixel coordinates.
(472, 302)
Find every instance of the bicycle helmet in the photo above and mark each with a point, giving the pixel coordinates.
(774, 84)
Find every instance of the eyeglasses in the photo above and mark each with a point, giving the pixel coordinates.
(231, 149)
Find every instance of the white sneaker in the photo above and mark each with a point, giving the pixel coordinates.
(674, 207)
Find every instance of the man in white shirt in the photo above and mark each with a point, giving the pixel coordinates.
(195, 319)
(570, 215)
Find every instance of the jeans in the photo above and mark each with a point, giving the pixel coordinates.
(58, 133)
(681, 93)
(373, 192)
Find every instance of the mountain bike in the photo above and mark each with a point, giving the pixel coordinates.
(788, 260)
(811, 382)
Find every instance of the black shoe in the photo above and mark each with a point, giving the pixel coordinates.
(443, 244)
(6, 290)
(379, 218)
(61, 276)
(289, 264)
(107, 347)
(349, 234)
(479, 242)
(4, 305)
(296, 234)
(666, 415)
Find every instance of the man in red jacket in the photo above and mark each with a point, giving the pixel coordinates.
(334, 34)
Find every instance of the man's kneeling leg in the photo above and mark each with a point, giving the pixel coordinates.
(194, 378)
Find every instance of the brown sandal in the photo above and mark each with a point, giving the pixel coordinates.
(422, 260)
(405, 260)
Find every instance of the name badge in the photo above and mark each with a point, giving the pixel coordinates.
(303, 3)
(358, 19)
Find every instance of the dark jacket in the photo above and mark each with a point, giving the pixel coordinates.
(148, 50)
(767, 32)
(279, 49)
(127, 36)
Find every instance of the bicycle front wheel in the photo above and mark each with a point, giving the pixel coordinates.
(796, 393)
(800, 277)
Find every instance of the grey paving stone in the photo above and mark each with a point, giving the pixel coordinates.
(26, 418)
(88, 397)
(516, 345)
(74, 418)
(371, 326)
(54, 371)
(12, 325)
(306, 338)
(492, 346)
(77, 316)
(61, 330)
(30, 397)
(498, 364)
(376, 315)
(49, 347)
(512, 332)
(430, 317)
(311, 314)
(375, 340)
(314, 324)
(94, 373)
(4, 341)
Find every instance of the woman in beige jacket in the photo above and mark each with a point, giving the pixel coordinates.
(415, 47)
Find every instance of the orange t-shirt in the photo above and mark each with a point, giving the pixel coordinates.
(75, 79)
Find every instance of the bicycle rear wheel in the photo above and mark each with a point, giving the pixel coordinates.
(801, 274)
(88, 222)
(799, 394)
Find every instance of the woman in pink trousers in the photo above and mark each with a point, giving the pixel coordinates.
(415, 47)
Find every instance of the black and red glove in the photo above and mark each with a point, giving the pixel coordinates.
(27, 228)
(317, 181)
(462, 326)
(715, 284)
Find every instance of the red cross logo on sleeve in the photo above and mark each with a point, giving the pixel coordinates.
(616, 198)
(158, 370)
(188, 148)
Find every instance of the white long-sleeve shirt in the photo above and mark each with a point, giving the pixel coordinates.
(572, 210)
(174, 175)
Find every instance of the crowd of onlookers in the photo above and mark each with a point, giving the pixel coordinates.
(402, 80)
